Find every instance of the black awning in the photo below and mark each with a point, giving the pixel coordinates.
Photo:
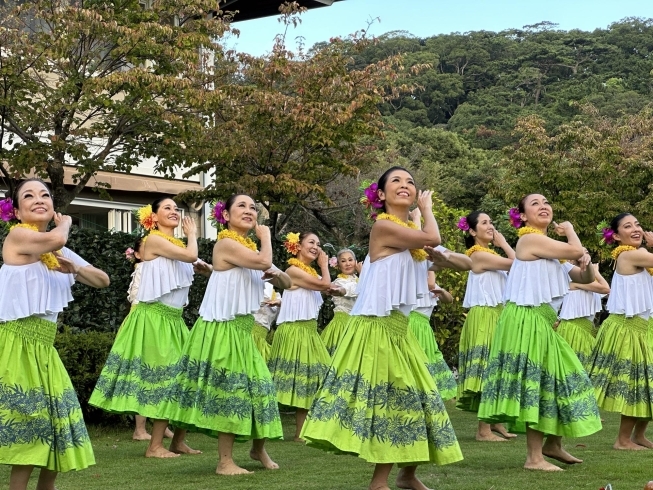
(255, 9)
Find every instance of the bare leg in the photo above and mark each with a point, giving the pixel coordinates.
(300, 418)
(46, 480)
(484, 433)
(502, 430)
(380, 477)
(639, 434)
(623, 438)
(407, 479)
(178, 444)
(226, 465)
(19, 477)
(156, 449)
(168, 434)
(140, 432)
(553, 449)
(259, 453)
(534, 458)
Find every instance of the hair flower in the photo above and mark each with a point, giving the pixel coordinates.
(370, 198)
(144, 216)
(607, 234)
(515, 218)
(216, 217)
(129, 254)
(462, 224)
(291, 243)
(333, 262)
(7, 210)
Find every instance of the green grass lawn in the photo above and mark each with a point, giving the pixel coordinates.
(121, 465)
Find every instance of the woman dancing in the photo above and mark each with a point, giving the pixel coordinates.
(344, 295)
(621, 364)
(42, 422)
(140, 372)
(484, 298)
(533, 378)
(224, 388)
(299, 360)
(379, 400)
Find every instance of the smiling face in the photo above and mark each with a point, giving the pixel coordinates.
(309, 248)
(399, 189)
(168, 215)
(34, 203)
(537, 211)
(347, 263)
(484, 229)
(242, 213)
(629, 232)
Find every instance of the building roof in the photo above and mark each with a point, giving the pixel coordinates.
(255, 9)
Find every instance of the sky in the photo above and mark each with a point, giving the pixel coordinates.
(425, 18)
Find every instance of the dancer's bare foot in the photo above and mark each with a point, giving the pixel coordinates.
(229, 468)
(412, 483)
(168, 434)
(541, 466)
(141, 436)
(489, 438)
(264, 458)
(182, 448)
(628, 446)
(382, 487)
(559, 454)
(643, 441)
(298, 439)
(500, 429)
(160, 452)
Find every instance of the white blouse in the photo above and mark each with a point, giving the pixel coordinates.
(299, 304)
(580, 304)
(631, 295)
(537, 282)
(345, 303)
(232, 293)
(165, 280)
(485, 288)
(34, 290)
(135, 283)
(266, 314)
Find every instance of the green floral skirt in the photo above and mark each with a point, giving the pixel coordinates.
(41, 422)
(621, 367)
(579, 334)
(260, 336)
(473, 353)
(334, 331)
(143, 365)
(379, 400)
(534, 379)
(298, 363)
(224, 384)
(444, 379)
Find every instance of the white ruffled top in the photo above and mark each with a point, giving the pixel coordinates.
(299, 304)
(135, 283)
(166, 281)
(387, 284)
(485, 288)
(345, 303)
(266, 314)
(580, 304)
(537, 282)
(231, 293)
(34, 290)
(631, 295)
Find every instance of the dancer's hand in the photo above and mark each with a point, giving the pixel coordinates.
(648, 239)
(62, 220)
(425, 202)
(563, 228)
(189, 227)
(322, 259)
(415, 215)
(66, 266)
(202, 268)
(359, 267)
(262, 232)
(498, 240)
(335, 290)
(584, 261)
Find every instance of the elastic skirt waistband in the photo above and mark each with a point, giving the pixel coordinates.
(160, 309)
(33, 329)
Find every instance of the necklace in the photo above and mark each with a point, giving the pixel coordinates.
(301, 265)
(348, 276)
(244, 241)
(527, 230)
(418, 254)
(49, 259)
(478, 248)
(171, 239)
(620, 249)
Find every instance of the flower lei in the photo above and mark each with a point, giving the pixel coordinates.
(418, 254)
(301, 265)
(478, 248)
(348, 276)
(626, 248)
(171, 239)
(291, 243)
(49, 259)
(245, 241)
(528, 230)
(144, 216)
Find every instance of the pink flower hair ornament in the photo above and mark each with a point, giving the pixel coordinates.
(7, 210)
(216, 218)
(333, 262)
(607, 234)
(462, 224)
(370, 198)
(515, 218)
(129, 254)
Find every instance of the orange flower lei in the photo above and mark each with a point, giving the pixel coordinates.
(418, 254)
(49, 259)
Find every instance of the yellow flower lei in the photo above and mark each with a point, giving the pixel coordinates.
(478, 248)
(49, 259)
(527, 230)
(245, 241)
(301, 265)
(171, 239)
(626, 248)
(418, 254)
(348, 276)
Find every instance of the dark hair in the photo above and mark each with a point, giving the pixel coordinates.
(383, 180)
(616, 221)
(14, 196)
(522, 205)
(472, 221)
(305, 234)
(137, 245)
(157, 203)
(231, 201)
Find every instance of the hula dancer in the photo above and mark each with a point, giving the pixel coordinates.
(533, 378)
(299, 360)
(263, 320)
(379, 400)
(484, 298)
(621, 364)
(140, 373)
(225, 389)
(344, 295)
(579, 308)
(42, 423)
